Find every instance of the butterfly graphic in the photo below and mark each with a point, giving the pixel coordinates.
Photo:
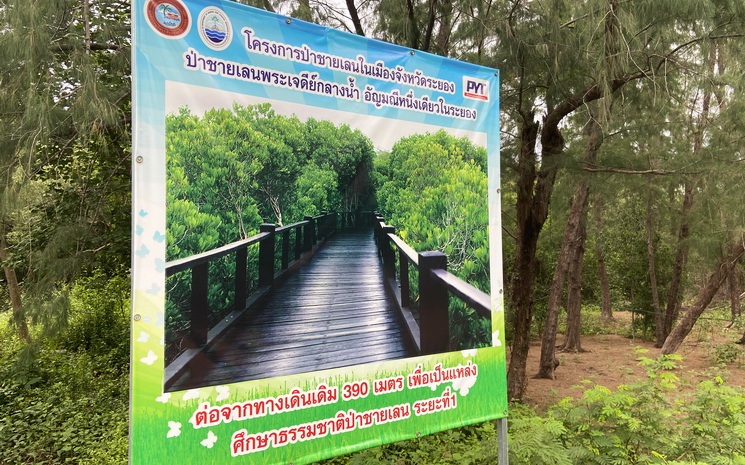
(142, 251)
(223, 392)
(163, 398)
(210, 441)
(495, 338)
(150, 359)
(175, 429)
(191, 394)
(469, 353)
(143, 337)
(154, 289)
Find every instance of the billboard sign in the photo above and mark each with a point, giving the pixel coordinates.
(276, 317)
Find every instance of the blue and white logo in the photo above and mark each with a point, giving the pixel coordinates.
(475, 88)
(215, 28)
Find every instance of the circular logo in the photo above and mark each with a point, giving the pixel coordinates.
(215, 28)
(169, 18)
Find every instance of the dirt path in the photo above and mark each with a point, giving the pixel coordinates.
(611, 360)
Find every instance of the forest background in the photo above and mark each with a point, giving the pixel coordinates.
(622, 174)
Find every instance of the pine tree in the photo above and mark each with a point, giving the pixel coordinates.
(63, 125)
(568, 55)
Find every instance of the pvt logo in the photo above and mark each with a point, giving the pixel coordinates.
(169, 18)
(475, 88)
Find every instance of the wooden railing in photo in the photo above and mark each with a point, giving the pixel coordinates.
(308, 236)
(429, 327)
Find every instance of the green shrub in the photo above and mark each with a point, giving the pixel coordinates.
(725, 353)
(592, 322)
(69, 403)
(534, 440)
(647, 422)
(64, 408)
(622, 426)
(99, 319)
(713, 422)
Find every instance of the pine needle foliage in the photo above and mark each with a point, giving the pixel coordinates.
(64, 120)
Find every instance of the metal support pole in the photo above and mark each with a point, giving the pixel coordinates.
(502, 454)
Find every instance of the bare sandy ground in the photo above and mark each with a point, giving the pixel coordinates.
(612, 360)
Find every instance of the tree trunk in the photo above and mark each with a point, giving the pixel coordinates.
(574, 299)
(354, 14)
(522, 295)
(412, 28)
(572, 241)
(713, 283)
(606, 310)
(534, 192)
(681, 254)
(548, 362)
(533, 197)
(525, 267)
(431, 17)
(303, 10)
(446, 26)
(649, 226)
(267, 5)
(733, 282)
(681, 257)
(14, 291)
(87, 25)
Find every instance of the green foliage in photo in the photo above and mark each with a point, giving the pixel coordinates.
(433, 189)
(229, 171)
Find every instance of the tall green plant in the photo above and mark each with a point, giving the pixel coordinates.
(63, 126)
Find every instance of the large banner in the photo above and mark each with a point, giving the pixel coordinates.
(275, 318)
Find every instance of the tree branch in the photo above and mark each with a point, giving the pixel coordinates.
(93, 46)
(594, 92)
(430, 26)
(593, 169)
(353, 14)
(414, 39)
(268, 6)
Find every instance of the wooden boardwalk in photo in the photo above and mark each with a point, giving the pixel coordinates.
(332, 312)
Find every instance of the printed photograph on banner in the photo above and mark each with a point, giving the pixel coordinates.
(279, 250)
